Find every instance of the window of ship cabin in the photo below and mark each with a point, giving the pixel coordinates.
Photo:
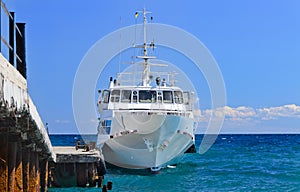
(159, 97)
(147, 96)
(186, 98)
(134, 96)
(167, 96)
(115, 96)
(178, 97)
(105, 127)
(105, 96)
(126, 96)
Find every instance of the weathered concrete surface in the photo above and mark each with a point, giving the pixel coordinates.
(71, 155)
(76, 167)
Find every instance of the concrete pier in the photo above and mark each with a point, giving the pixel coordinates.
(76, 167)
(25, 146)
(27, 160)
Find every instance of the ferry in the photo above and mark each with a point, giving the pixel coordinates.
(148, 123)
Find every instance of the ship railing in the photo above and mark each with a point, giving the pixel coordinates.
(135, 77)
(156, 112)
(151, 106)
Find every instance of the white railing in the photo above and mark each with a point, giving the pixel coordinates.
(188, 114)
(135, 78)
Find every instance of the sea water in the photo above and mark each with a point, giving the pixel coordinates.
(233, 163)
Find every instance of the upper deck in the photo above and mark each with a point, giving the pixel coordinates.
(146, 98)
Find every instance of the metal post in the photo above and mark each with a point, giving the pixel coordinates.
(20, 49)
(12, 38)
(0, 26)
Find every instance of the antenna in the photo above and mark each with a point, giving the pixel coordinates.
(120, 53)
(145, 46)
(147, 76)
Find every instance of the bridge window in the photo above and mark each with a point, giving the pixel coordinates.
(126, 96)
(178, 97)
(159, 97)
(115, 96)
(105, 127)
(147, 96)
(168, 96)
(105, 96)
(186, 98)
(134, 96)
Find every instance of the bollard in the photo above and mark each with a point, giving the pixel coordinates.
(100, 178)
(109, 185)
(104, 188)
(77, 144)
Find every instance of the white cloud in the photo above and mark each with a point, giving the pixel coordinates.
(291, 110)
(243, 119)
(244, 113)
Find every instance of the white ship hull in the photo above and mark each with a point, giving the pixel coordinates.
(149, 140)
(146, 121)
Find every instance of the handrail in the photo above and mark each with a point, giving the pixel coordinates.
(135, 77)
(158, 112)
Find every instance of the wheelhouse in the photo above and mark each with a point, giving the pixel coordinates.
(145, 96)
(162, 98)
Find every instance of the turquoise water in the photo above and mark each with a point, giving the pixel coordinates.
(234, 163)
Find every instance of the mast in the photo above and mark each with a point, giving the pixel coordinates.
(145, 57)
(145, 32)
(146, 65)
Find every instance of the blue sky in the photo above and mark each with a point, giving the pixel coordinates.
(255, 43)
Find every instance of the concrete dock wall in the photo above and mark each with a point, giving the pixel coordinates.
(25, 147)
(76, 167)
